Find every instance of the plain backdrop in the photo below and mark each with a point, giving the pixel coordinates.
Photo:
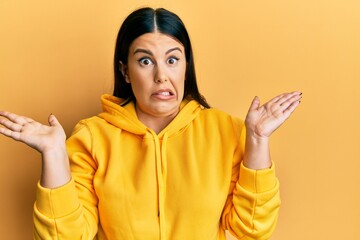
(56, 57)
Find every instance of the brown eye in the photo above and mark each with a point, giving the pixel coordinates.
(172, 60)
(145, 61)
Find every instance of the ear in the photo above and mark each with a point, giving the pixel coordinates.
(124, 71)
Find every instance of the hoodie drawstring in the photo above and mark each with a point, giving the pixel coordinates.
(161, 168)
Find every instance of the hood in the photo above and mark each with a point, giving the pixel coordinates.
(125, 117)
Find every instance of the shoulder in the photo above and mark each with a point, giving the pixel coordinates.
(89, 124)
(226, 124)
(220, 117)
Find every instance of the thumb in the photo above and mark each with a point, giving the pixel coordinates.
(254, 104)
(53, 120)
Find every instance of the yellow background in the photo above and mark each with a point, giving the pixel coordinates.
(56, 57)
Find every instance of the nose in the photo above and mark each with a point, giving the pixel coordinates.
(160, 75)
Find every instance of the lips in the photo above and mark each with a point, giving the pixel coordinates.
(164, 94)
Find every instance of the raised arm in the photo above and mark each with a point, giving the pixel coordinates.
(251, 210)
(49, 140)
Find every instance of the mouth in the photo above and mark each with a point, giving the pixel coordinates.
(164, 93)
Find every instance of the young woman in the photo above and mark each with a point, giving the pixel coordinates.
(158, 162)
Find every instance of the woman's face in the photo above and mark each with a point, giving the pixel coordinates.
(156, 71)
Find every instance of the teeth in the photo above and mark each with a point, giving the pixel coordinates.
(165, 93)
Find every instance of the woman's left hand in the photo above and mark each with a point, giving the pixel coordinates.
(262, 121)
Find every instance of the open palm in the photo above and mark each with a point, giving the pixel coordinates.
(263, 120)
(36, 135)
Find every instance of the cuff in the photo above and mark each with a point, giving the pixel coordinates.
(257, 181)
(58, 202)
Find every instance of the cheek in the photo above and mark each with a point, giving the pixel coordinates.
(183, 79)
(180, 85)
(179, 74)
(139, 89)
(139, 81)
(180, 81)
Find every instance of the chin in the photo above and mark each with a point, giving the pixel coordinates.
(167, 110)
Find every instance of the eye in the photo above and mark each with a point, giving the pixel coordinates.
(145, 61)
(172, 60)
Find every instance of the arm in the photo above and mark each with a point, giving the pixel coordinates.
(251, 209)
(253, 201)
(65, 207)
(70, 211)
(48, 140)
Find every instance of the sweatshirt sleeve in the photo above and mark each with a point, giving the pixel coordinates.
(252, 206)
(70, 211)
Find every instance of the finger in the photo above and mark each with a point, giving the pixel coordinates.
(9, 133)
(288, 111)
(254, 104)
(293, 95)
(276, 99)
(294, 98)
(16, 118)
(10, 125)
(53, 120)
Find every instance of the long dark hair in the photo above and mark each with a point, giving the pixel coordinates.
(148, 20)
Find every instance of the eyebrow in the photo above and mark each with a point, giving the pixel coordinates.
(173, 49)
(141, 50)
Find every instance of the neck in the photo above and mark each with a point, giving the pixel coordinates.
(157, 124)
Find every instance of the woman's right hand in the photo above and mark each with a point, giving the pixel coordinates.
(41, 137)
(49, 140)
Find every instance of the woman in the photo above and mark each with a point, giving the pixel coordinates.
(158, 162)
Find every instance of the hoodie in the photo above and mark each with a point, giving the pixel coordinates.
(186, 182)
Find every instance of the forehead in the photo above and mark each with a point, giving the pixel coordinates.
(156, 42)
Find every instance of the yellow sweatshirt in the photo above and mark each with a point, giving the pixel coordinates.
(185, 183)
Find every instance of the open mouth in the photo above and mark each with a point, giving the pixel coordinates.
(164, 93)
